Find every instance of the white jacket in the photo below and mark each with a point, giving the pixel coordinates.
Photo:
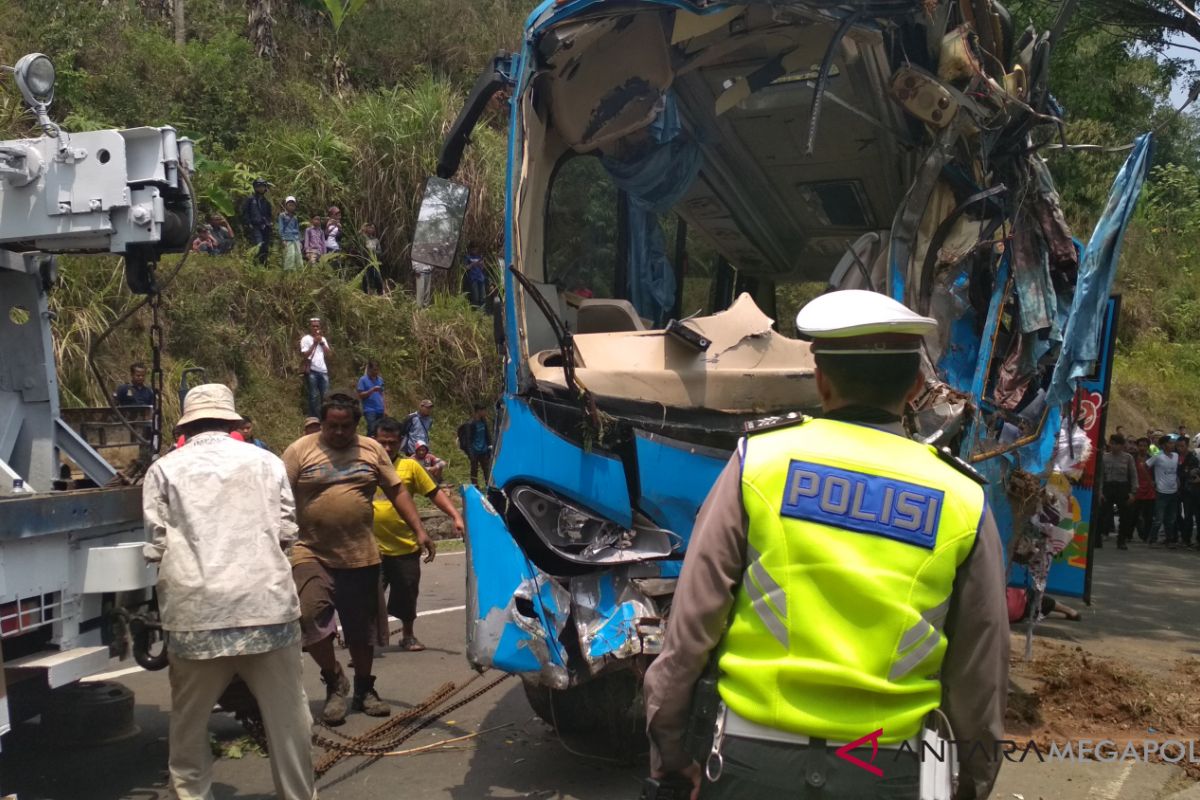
(221, 517)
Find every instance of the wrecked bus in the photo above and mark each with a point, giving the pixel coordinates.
(673, 166)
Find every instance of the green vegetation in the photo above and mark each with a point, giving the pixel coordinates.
(336, 102)
(347, 102)
(243, 323)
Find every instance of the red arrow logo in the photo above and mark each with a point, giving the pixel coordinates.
(843, 752)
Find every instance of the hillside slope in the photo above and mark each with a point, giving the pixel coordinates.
(242, 324)
(356, 116)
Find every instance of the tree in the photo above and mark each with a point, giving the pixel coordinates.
(261, 28)
(179, 20)
(1150, 21)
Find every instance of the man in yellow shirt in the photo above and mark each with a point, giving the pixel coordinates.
(398, 545)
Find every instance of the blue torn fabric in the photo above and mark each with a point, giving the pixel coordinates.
(1081, 340)
(654, 180)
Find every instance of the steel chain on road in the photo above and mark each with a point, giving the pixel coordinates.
(384, 738)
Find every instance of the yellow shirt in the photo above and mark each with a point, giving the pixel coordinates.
(392, 534)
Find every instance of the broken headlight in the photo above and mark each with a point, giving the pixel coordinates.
(583, 537)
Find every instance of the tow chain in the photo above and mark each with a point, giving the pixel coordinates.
(156, 371)
(386, 737)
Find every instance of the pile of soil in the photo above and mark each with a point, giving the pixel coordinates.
(1077, 694)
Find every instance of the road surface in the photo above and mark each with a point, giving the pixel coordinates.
(523, 758)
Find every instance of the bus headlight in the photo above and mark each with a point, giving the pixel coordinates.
(581, 536)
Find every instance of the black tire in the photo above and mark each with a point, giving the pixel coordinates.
(603, 717)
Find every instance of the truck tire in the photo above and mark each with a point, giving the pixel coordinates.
(604, 716)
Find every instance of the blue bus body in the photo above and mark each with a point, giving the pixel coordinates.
(612, 429)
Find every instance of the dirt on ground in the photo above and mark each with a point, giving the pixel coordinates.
(1066, 693)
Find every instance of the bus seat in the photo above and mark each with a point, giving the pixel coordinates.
(608, 316)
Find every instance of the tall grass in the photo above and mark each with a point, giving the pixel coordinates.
(243, 323)
(370, 155)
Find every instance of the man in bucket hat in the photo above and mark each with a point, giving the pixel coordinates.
(221, 519)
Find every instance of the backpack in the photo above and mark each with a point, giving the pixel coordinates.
(464, 438)
(406, 425)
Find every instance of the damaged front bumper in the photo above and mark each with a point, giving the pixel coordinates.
(556, 632)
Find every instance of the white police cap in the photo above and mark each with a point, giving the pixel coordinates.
(858, 322)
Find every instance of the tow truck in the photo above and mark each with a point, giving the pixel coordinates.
(73, 583)
(672, 164)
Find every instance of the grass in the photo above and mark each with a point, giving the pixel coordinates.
(242, 323)
(1158, 347)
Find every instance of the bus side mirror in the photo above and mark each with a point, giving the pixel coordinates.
(440, 222)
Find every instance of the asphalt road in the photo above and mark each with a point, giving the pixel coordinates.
(521, 758)
(1145, 603)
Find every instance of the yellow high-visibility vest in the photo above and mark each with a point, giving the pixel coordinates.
(855, 536)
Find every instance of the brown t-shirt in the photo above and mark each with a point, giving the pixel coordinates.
(334, 489)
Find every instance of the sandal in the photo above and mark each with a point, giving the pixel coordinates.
(1074, 616)
(409, 644)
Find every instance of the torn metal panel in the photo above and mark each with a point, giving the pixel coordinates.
(674, 478)
(614, 618)
(529, 452)
(515, 613)
(729, 328)
(606, 86)
(955, 347)
(941, 411)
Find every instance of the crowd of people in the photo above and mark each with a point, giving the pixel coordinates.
(416, 428)
(313, 239)
(1151, 488)
(304, 547)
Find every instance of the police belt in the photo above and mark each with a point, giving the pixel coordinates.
(739, 726)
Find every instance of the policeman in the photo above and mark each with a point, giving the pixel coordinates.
(849, 580)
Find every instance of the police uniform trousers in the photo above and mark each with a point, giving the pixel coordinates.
(754, 769)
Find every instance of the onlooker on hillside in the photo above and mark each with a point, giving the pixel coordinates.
(433, 465)
(372, 280)
(475, 279)
(222, 232)
(314, 240)
(423, 283)
(311, 425)
(370, 239)
(1144, 497)
(221, 519)
(1189, 491)
(315, 351)
(136, 392)
(289, 234)
(417, 426)
(256, 213)
(333, 230)
(246, 429)
(370, 392)
(204, 241)
(1165, 466)
(475, 440)
(1120, 484)
(335, 561)
(399, 548)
